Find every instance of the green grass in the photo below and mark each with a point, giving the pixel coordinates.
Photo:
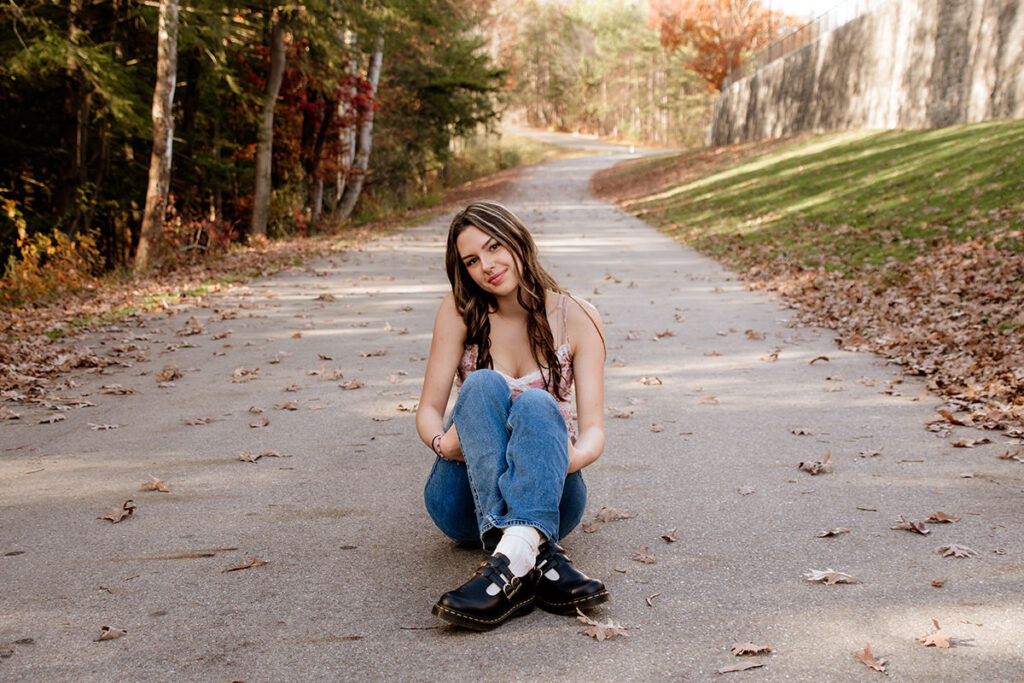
(848, 202)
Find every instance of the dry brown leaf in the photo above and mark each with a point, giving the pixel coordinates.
(402, 408)
(155, 485)
(970, 443)
(598, 630)
(949, 418)
(192, 326)
(650, 381)
(111, 633)
(326, 297)
(941, 517)
(670, 535)
(709, 400)
(955, 550)
(817, 467)
(296, 335)
(868, 660)
(618, 413)
(833, 532)
(246, 564)
(938, 583)
(8, 414)
(911, 525)
(741, 666)
(642, 554)
(115, 390)
(802, 431)
(287, 405)
(241, 374)
(935, 637)
(746, 490)
(606, 514)
(168, 374)
(869, 454)
(666, 333)
(56, 417)
(816, 359)
(118, 514)
(196, 421)
(262, 422)
(829, 576)
(352, 384)
(754, 335)
(740, 649)
(657, 428)
(589, 527)
(102, 427)
(1015, 455)
(374, 353)
(292, 388)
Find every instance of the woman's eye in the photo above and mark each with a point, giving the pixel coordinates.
(494, 247)
(471, 262)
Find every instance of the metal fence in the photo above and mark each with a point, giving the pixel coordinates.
(842, 13)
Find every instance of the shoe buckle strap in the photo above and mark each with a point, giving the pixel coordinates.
(512, 587)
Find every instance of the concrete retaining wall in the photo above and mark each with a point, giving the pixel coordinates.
(907, 64)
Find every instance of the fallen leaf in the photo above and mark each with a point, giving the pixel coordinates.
(816, 467)
(934, 638)
(618, 363)
(949, 418)
(155, 485)
(617, 413)
(402, 408)
(246, 565)
(262, 422)
(102, 427)
(241, 374)
(815, 360)
(633, 335)
(869, 454)
(710, 400)
(970, 443)
(192, 326)
(670, 536)
(712, 354)
(868, 660)
(938, 584)
(120, 513)
(255, 410)
(111, 633)
(833, 532)
(606, 514)
(116, 390)
(352, 384)
(296, 335)
(650, 381)
(746, 490)
(374, 353)
(589, 527)
(598, 630)
(8, 414)
(195, 421)
(168, 374)
(326, 297)
(666, 333)
(287, 405)
(802, 431)
(911, 525)
(1016, 455)
(656, 428)
(742, 666)
(955, 550)
(292, 388)
(829, 576)
(642, 554)
(740, 649)
(941, 517)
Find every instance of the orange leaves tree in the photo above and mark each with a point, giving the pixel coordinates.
(715, 34)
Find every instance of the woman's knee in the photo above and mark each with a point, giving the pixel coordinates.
(537, 399)
(484, 382)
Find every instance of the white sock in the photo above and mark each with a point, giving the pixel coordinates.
(519, 544)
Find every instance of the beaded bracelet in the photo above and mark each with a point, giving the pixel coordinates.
(436, 445)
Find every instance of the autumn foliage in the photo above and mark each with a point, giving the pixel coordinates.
(717, 35)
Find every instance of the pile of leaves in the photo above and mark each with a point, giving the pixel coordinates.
(924, 266)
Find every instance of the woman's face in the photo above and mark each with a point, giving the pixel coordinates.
(493, 267)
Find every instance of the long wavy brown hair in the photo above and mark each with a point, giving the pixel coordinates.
(475, 304)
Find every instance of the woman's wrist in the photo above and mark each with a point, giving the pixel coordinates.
(435, 444)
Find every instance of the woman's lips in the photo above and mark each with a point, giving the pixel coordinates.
(496, 279)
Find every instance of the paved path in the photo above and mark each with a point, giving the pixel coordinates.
(353, 562)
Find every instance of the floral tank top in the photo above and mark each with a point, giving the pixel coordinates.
(535, 379)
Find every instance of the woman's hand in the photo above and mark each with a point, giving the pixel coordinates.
(450, 446)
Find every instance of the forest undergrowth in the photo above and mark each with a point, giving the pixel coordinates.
(907, 244)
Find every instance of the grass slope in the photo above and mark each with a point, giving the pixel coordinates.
(911, 241)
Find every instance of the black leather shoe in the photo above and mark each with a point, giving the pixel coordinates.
(471, 607)
(572, 589)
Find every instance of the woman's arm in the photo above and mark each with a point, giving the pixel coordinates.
(446, 349)
(587, 336)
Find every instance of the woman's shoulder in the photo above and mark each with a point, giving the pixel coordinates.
(581, 316)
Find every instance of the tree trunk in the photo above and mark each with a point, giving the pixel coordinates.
(355, 187)
(347, 135)
(265, 149)
(75, 128)
(163, 134)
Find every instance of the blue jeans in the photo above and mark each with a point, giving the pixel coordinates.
(517, 459)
